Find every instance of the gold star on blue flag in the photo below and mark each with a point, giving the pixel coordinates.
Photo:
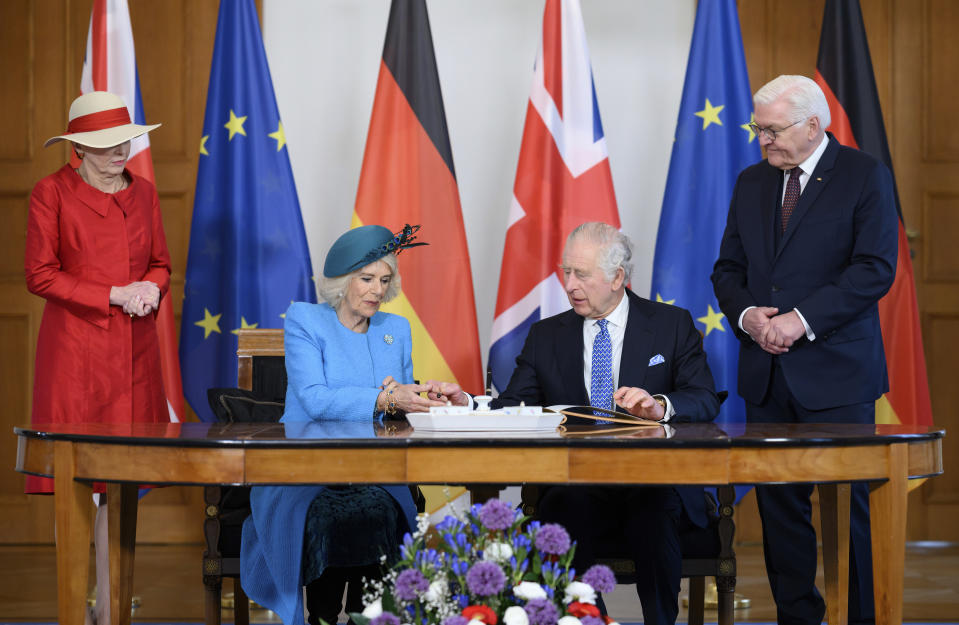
(693, 217)
(710, 114)
(248, 250)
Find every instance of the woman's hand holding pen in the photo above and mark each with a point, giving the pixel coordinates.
(443, 391)
(404, 397)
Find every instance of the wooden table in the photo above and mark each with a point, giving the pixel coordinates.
(707, 454)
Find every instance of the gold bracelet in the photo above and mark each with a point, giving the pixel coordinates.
(390, 403)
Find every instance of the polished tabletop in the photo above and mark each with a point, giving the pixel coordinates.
(832, 455)
(400, 433)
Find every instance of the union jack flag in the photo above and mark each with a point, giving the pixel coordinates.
(562, 180)
(110, 64)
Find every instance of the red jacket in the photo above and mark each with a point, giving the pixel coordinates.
(94, 363)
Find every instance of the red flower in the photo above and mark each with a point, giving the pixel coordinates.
(481, 613)
(579, 610)
(608, 619)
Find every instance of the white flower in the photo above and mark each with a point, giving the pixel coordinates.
(515, 615)
(374, 609)
(578, 591)
(529, 591)
(437, 591)
(569, 620)
(498, 552)
(422, 524)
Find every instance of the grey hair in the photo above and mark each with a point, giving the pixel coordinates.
(615, 248)
(333, 290)
(804, 96)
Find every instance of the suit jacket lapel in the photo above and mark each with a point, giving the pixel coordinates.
(637, 344)
(569, 352)
(814, 186)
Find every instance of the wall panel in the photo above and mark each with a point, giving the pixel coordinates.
(940, 132)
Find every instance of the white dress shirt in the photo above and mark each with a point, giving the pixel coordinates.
(617, 335)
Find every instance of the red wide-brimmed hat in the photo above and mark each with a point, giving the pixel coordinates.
(100, 119)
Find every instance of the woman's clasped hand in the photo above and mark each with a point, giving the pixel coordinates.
(137, 298)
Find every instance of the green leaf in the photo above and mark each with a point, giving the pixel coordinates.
(356, 617)
(389, 602)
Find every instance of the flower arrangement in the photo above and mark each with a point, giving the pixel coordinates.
(493, 565)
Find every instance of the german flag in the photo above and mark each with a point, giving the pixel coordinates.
(408, 177)
(844, 71)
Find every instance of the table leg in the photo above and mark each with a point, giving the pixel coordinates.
(834, 516)
(887, 513)
(74, 513)
(122, 532)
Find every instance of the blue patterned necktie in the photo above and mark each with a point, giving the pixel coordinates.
(601, 374)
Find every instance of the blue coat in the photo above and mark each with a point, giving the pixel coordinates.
(835, 260)
(333, 378)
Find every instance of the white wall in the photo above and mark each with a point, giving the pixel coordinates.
(325, 54)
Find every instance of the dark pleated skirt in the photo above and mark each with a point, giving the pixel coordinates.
(350, 526)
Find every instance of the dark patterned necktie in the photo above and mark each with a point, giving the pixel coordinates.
(601, 373)
(791, 198)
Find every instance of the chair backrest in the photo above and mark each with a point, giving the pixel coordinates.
(260, 362)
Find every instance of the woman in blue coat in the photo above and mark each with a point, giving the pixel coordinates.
(345, 362)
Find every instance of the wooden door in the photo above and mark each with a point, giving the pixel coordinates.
(42, 43)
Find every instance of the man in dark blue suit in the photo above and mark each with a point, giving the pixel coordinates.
(614, 347)
(810, 247)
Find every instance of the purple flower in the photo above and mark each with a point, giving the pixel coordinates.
(410, 584)
(600, 577)
(592, 620)
(386, 618)
(552, 538)
(485, 579)
(541, 612)
(456, 619)
(496, 514)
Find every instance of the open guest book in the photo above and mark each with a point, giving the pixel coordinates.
(613, 429)
(614, 416)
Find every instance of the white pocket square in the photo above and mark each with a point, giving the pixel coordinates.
(656, 360)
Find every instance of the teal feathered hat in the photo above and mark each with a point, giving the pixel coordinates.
(361, 246)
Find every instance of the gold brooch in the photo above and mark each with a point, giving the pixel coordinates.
(388, 339)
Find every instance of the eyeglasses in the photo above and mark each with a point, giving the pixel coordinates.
(769, 132)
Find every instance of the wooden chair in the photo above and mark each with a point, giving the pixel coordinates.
(261, 370)
(707, 552)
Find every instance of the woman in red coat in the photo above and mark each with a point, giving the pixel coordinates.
(97, 254)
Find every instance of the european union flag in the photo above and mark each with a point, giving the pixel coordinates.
(248, 256)
(713, 144)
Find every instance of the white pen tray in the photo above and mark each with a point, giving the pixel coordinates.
(492, 421)
(490, 434)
